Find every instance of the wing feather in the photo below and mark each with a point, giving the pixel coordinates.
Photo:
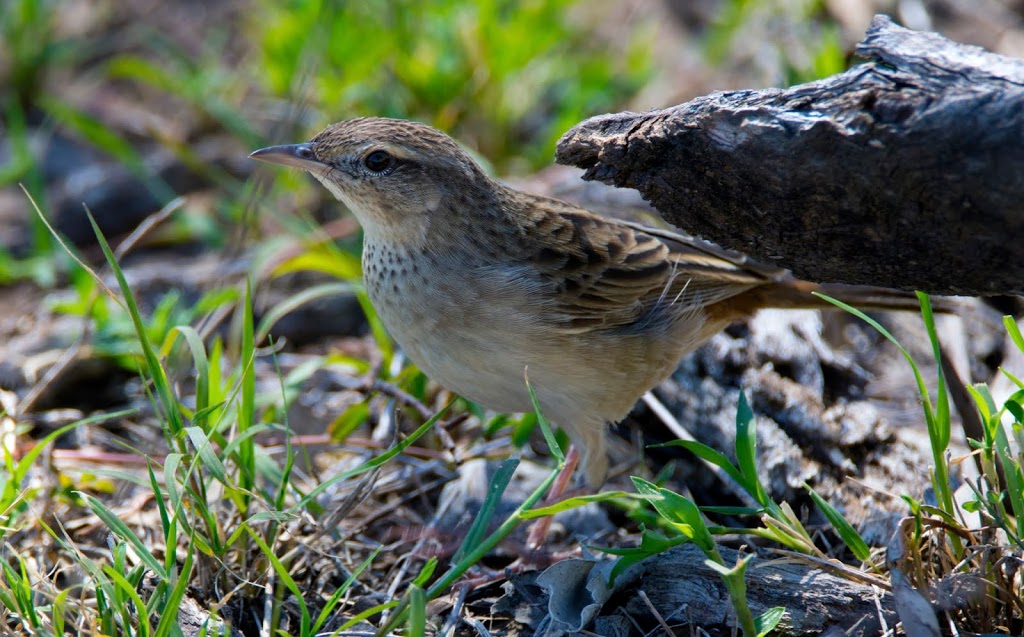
(609, 274)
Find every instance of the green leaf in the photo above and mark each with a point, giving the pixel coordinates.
(986, 409)
(682, 513)
(324, 259)
(1011, 471)
(202, 366)
(734, 574)
(155, 369)
(1016, 381)
(576, 502)
(425, 573)
(126, 589)
(651, 543)
(348, 421)
(767, 621)
(746, 452)
(523, 428)
(10, 482)
(1015, 408)
(708, 454)
(207, 455)
(369, 612)
(1014, 331)
(247, 404)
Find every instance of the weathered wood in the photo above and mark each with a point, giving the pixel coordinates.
(680, 584)
(906, 171)
(678, 587)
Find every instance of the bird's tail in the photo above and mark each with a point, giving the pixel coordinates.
(797, 294)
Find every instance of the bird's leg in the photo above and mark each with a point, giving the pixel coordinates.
(539, 529)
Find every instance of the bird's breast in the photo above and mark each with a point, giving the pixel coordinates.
(468, 325)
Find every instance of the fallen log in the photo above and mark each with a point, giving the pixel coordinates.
(906, 171)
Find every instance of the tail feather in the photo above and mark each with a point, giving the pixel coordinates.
(797, 294)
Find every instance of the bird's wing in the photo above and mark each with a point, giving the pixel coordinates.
(610, 274)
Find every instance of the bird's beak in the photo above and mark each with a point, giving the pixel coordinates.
(297, 155)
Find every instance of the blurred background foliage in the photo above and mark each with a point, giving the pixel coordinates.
(507, 78)
(124, 105)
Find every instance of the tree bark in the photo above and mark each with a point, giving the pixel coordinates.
(906, 171)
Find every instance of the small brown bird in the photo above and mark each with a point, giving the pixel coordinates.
(478, 281)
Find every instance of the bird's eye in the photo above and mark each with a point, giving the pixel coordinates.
(378, 161)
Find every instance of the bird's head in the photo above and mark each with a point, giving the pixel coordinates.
(393, 174)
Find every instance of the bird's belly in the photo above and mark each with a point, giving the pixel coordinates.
(486, 375)
(460, 340)
(480, 346)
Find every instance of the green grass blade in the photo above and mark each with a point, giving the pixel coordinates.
(126, 589)
(20, 598)
(59, 609)
(168, 625)
(1013, 474)
(986, 407)
(426, 572)
(1016, 381)
(373, 463)
(921, 387)
(165, 520)
(326, 612)
(16, 472)
(369, 612)
(542, 422)
(937, 420)
(708, 454)
(286, 579)
(651, 543)
(247, 406)
(207, 455)
(348, 421)
(121, 530)
(942, 414)
(201, 364)
(155, 369)
(847, 533)
(495, 490)
(417, 612)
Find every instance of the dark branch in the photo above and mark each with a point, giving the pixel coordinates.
(906, 171)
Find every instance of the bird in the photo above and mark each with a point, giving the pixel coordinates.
(479, 282)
